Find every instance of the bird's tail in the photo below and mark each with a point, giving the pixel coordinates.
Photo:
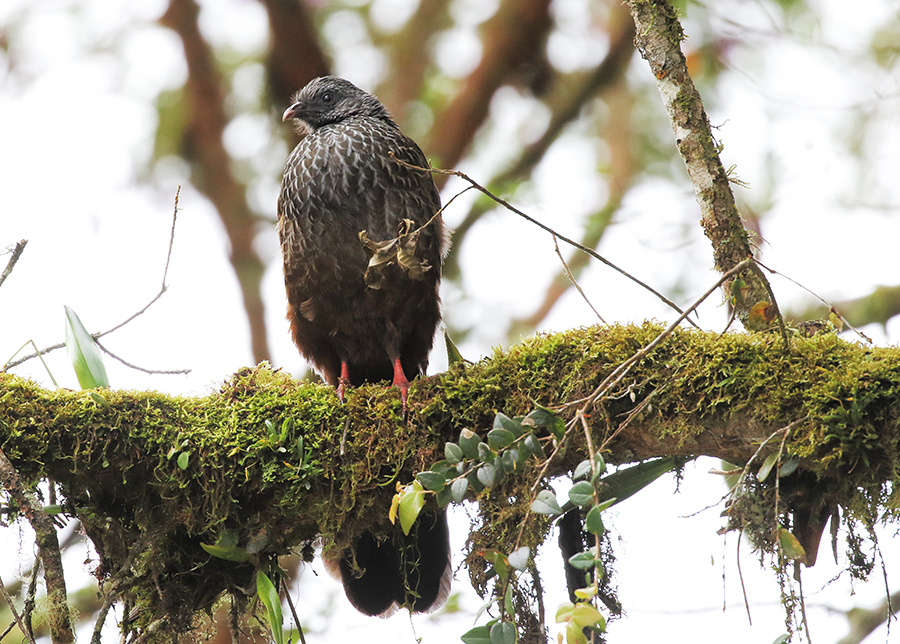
(412, 571)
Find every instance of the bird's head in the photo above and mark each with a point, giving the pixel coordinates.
(329, 99)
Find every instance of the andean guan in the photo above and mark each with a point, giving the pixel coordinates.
(357, 324)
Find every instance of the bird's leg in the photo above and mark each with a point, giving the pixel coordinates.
(401, 382)
(343, 381)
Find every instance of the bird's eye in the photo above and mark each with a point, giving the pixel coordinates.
(328, 99)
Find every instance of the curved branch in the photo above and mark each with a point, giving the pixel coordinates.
(658, 38)
(566, 105)
(510, 39)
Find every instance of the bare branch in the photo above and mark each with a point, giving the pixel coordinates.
(14, 257)
(38, 353)
(833, 308)
(108, 603)
(16, 617)
(574, 282)
(167, 372)
(571, 242)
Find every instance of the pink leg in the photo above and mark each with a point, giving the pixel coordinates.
(401, 382)
(343, 381)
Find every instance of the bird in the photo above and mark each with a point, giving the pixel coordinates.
(362, 243)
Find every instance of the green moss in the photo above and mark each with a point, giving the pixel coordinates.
(116, 453)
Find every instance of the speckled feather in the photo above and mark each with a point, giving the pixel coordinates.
(341, 179)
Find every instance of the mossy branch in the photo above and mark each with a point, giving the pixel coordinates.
(153, 476)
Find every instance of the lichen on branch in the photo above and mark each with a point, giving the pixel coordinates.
(658, 37)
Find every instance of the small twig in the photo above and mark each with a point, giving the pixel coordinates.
(290, 602)
(15, 613)
(29, 597)
(572, 279)
(746, 469)
(39, 353)
(14, 257)
(96, 336)
(737, 558)
(171, 239)
(831, 308)
(137, 368)
(619, 373)
(887, 588)
(803, 609)
(787, 431)
(101, 617)
(571, 242)
(7, 630)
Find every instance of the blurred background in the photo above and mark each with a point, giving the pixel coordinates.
(107, 107)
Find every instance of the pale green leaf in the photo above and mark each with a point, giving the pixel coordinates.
(564, 612)
(593, 522)
(265, 589)
(574, 635)
(500, 438)
(767, 466)
(227, 553)
(84, 354)
(582, 494)
(453, 453)
(468, 442)
(503, 633)
(477, 635)
(433, 481)
(412, 500)
(518, 559)
(790, 545)
(586, 615)
(458, 489)
(545, 503)
(582, 561)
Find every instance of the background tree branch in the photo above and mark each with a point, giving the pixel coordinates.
(61, 631)
(211, 171)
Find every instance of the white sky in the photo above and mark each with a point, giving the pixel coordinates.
(76, 127)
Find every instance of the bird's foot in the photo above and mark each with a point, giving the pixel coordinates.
(401, 383)
(343, 381)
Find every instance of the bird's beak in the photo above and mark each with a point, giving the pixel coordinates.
(293, 112)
